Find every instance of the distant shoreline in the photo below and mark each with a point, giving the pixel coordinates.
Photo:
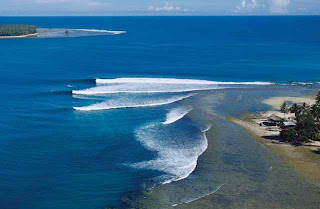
(22, 36)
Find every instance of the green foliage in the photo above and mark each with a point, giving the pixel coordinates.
(289, 135)
(284, 108)
(318, 98)
(17, 30)
(306, 127)
(315, 110)
(294, 108)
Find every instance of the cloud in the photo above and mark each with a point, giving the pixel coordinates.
(263, 6)
(247, 6)
(279, 6)
(167, 8)
(97, 4)
(302, 9)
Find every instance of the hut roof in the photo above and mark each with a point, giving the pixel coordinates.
(275, 118)
(289, 123)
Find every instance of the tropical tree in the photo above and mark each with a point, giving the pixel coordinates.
(17, 30)
(318, 98)
(315, 111)
(284, 108)
(306, 127)
(294, 108)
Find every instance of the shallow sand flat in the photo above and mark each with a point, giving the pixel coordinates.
(23, 36)
(276, 102)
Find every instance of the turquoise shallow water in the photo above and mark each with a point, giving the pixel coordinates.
(53, 156)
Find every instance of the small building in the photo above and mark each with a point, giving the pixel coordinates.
(288, 124)
(273, 120)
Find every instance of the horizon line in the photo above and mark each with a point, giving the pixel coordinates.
(173, 15)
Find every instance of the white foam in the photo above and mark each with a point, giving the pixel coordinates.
(175, 156)
(101, 31)
(175, 81)
(176, 114)
(201, 196)
(142, 89)
(156, 85)
(124, 103)
(301, 83)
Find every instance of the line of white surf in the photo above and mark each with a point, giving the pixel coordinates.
(107, 105)
(174, 81)
(101, 31)
(186, 170)
(176, 114)
(177, 160)
(202, 196)
(102, 90)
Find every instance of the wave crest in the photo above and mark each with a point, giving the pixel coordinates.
(174, 157)
(122, 103)
(101, 31)
(176, 114)
(174, 81)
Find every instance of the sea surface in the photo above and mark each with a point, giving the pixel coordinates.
(123, 104)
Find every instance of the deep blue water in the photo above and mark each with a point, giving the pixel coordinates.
(52, 156)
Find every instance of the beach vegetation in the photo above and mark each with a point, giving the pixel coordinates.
(307, 122)
(318, 98)
(284, 108)
(17, 30)
(315, 110)
(289, 135)
(294, 108)
(306, 127)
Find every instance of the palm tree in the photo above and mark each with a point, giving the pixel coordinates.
(284, 108)
(315, 110)
(318, 98)
(294, 108)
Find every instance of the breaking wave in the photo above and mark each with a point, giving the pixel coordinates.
(174, 81)
(142, 89)
(64, 32)
(176, 114)
(128, 103)
(156, 85)
(101, 31)
(175, 157)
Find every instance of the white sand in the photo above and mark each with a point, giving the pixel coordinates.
(276, 102)
(23, 36)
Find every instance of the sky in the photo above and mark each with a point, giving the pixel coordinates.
(157, 7)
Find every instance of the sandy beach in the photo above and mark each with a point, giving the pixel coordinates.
(303, 158)
(275, 102)
(23, 36)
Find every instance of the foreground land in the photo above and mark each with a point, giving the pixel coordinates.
(304, 158)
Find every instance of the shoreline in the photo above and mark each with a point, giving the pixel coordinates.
(303, 158)
(275, 102)
(22, 36)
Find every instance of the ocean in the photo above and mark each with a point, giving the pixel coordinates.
(124, 103)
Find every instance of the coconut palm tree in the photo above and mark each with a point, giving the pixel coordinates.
(284, 108)
(315, 110)
(318, 98)
(294, 108)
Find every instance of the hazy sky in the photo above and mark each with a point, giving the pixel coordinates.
(158, 7)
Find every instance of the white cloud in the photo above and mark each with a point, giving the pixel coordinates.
(302, 9)
(167, 8)
(247, 6)
(279, 6)
(254, 6)
(97, 4)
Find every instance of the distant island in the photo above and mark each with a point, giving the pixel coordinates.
(17, 31)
